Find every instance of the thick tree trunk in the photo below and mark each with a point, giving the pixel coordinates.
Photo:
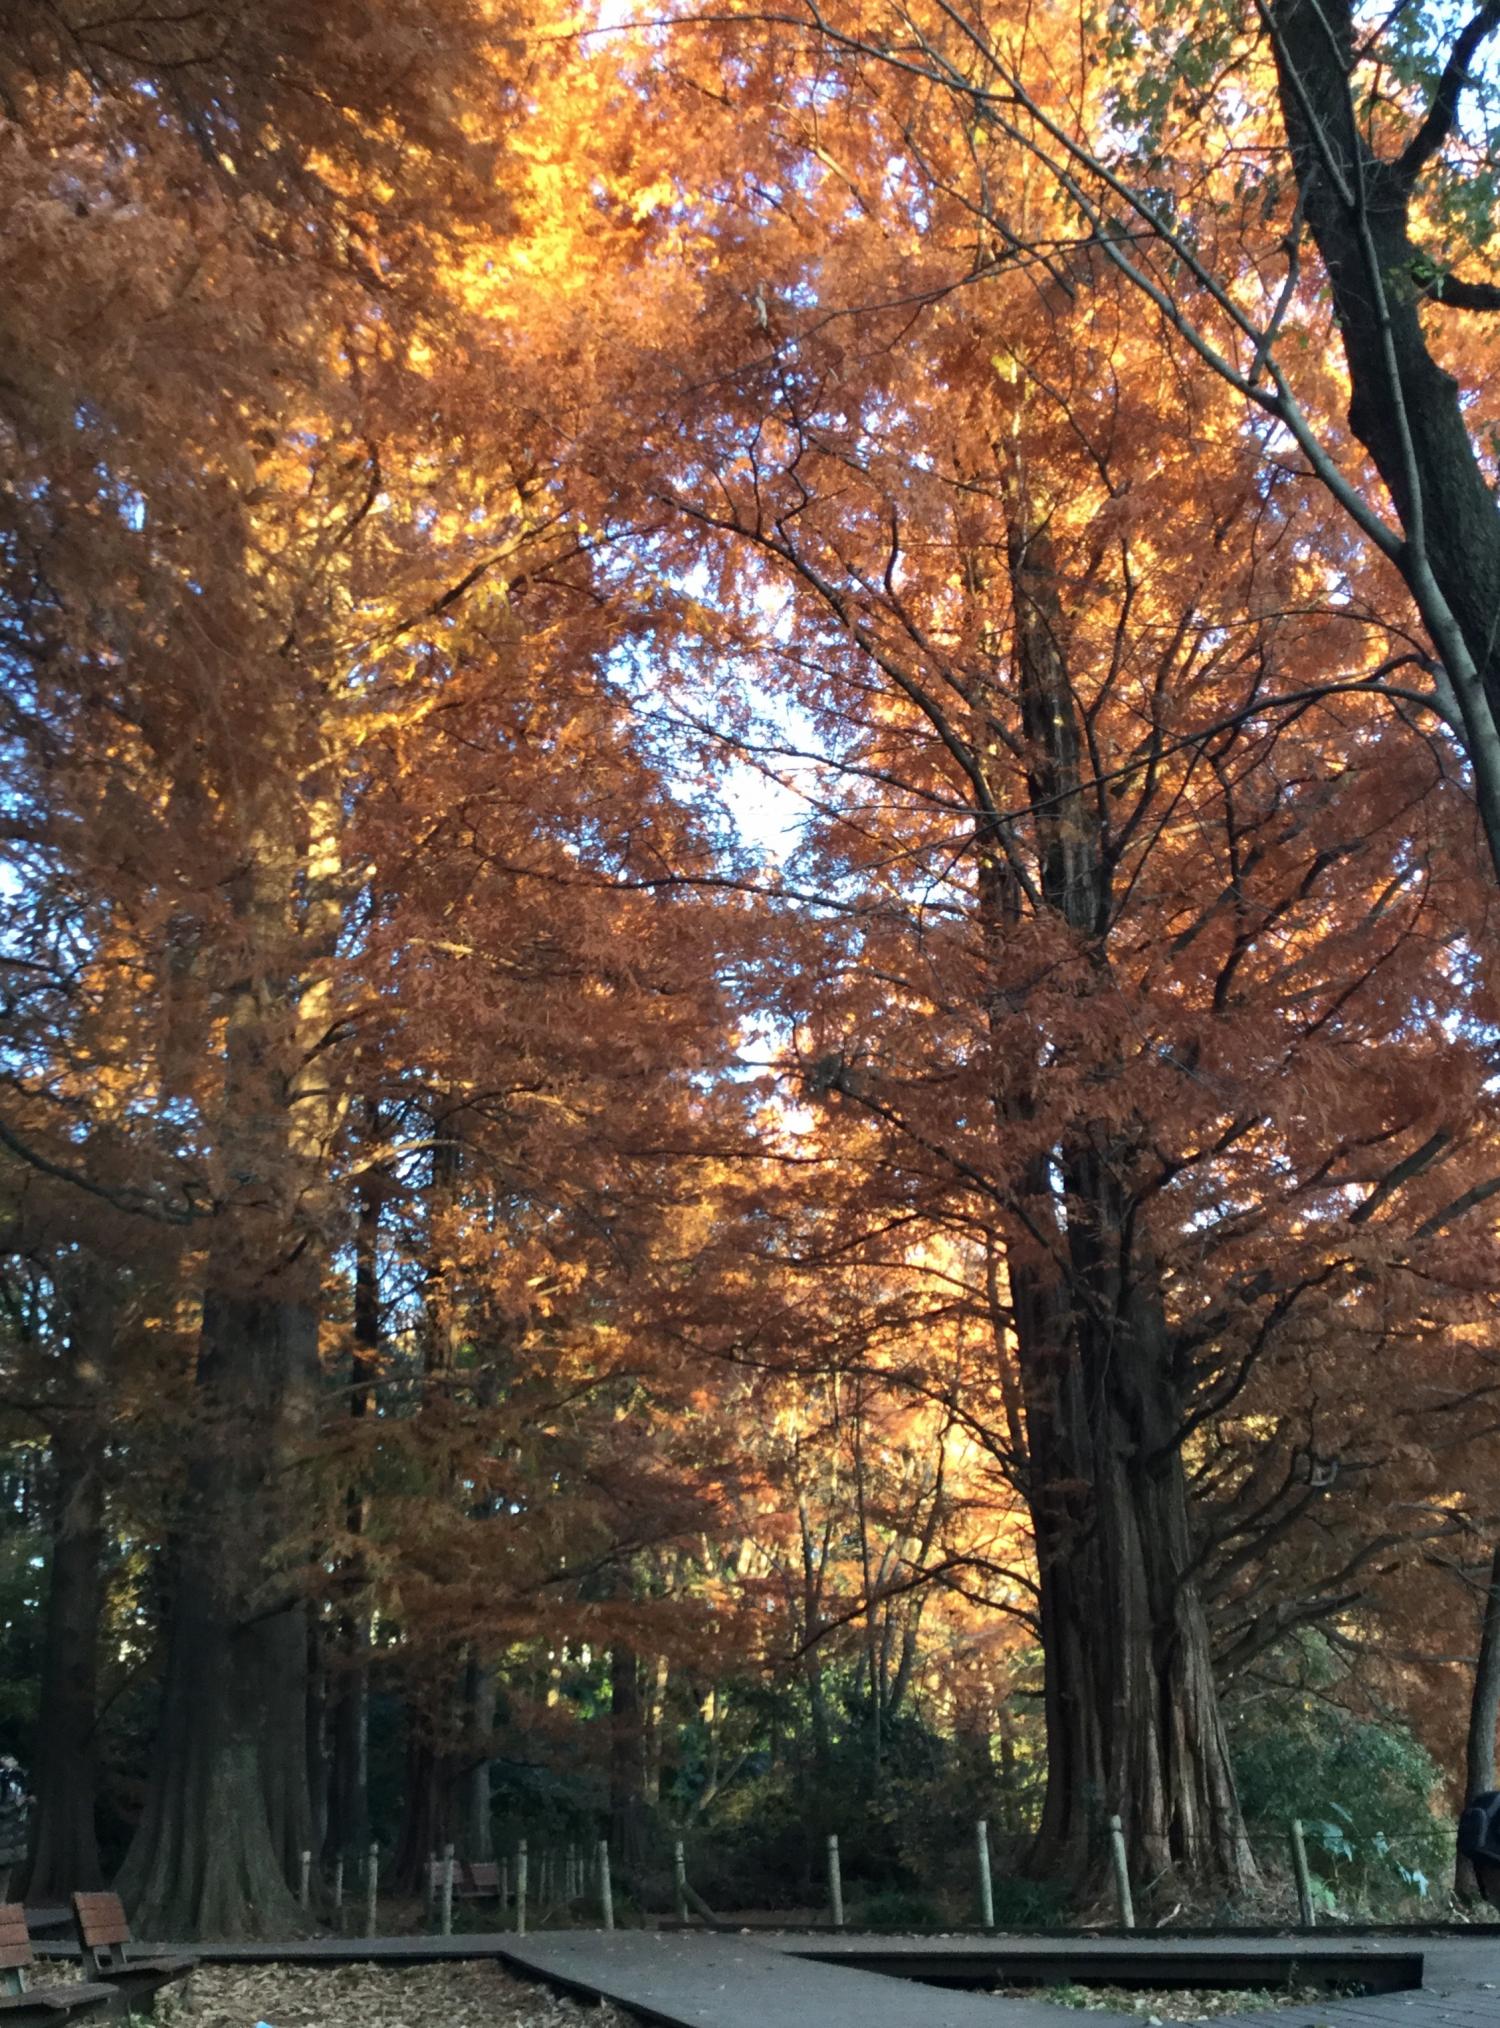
(227, 1809)
(227, 1813)
(1133, 1721)
(63, 1842)
(1484, 1718)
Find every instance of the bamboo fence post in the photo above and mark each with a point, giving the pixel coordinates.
(606, 1890)
(447, 1890)
(1122, 1873)
(521, 1888)
(1304, 1877)
(502, 1881)
(372, 1882)
(835, 1882)
(338, 1891)
(679, 1880)
(986, 1885)
(304, 1883)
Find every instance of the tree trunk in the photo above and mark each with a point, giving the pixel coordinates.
(1484, 1717)
(227, 1810)
(426, 1813)
(1406, 409)
(348, 1831)
(64, 1844)
(316, 1756)
(476, 1829)
(656, 1709)
(349, 1745)
(627, 1808)
(1132, 1713)
(227, 1813)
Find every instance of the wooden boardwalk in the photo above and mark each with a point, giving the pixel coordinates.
(686, 1980)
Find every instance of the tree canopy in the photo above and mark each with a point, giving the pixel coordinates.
(751, 833)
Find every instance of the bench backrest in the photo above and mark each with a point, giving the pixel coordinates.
(15, 1937)
(470, 1876)
(101, 1922)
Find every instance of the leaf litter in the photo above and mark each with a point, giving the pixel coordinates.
(469, 1995)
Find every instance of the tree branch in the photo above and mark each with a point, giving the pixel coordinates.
(1443, 111)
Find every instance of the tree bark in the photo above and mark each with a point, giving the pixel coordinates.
(227, 1813)
(1484, 1718)
(627, 1810)
(476, 1832)
(64, 1852)
(348, 1831)
(227, 1808)
(1406, 409)
(655, 1721)
(427, 1805)
(1132, 1713)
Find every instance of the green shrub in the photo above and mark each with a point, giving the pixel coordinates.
(1368, 1795)
(1030, 1904)
(897, 1908)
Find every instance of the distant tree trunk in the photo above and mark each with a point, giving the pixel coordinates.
(431, 1812)
(64, 1844)
(316, 1755)
(423, 1824)
(626, 1760)
(349, 1744)
(812, 1666)
(1010, 1788)
(476, 1832)
(348, 1830)
(1484, 1717)
(656, 1707)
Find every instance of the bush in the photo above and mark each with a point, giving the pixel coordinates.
(1367, 1794)
(1030, 1904)
(897, 1908)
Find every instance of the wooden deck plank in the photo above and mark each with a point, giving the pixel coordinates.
(732, 1982)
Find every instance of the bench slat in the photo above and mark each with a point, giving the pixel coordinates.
(101, 1920)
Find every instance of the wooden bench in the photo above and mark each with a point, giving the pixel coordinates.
(105, 1935)
(24, 2004)
(473, 1880)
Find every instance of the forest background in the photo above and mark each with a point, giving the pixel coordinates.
(751, 825)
